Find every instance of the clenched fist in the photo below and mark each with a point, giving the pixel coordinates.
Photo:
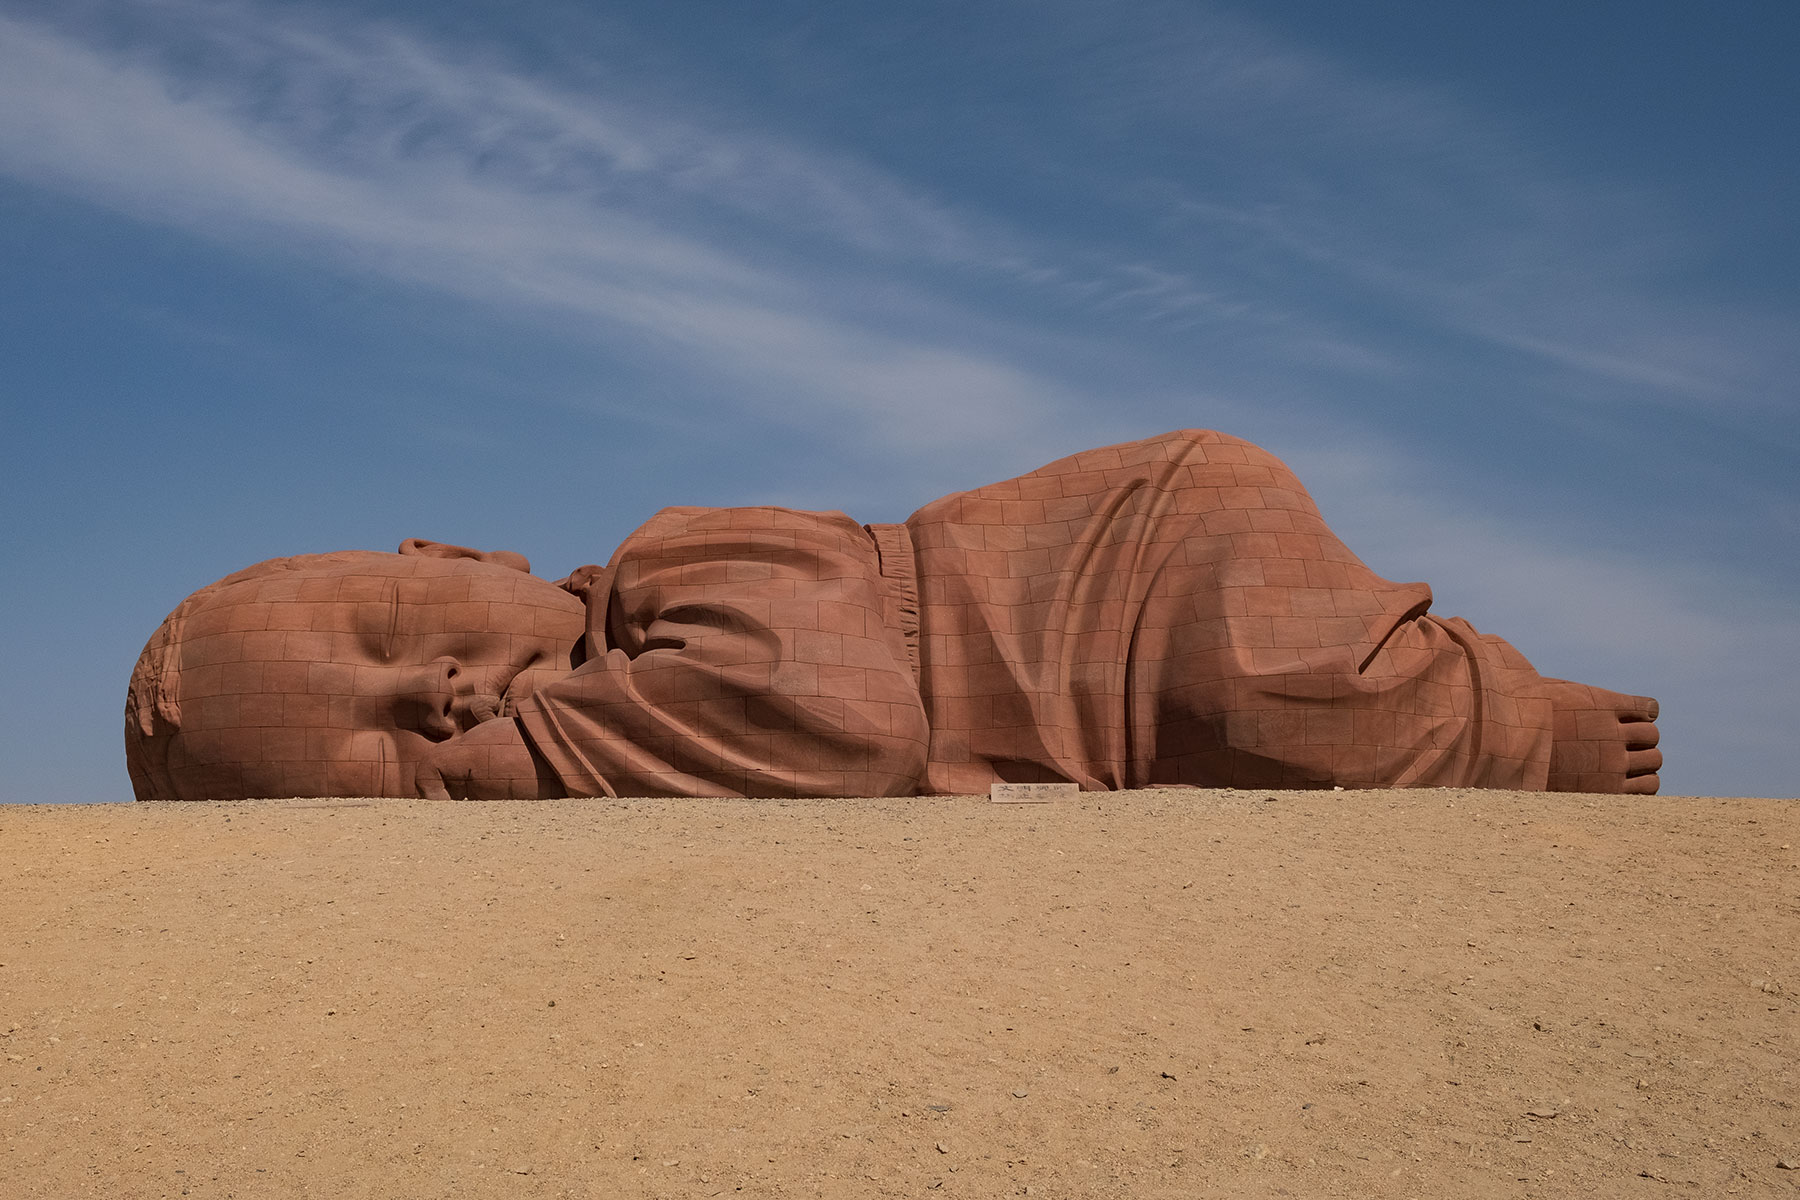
(489, 762)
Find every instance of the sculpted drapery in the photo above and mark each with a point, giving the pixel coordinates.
(1172, 610)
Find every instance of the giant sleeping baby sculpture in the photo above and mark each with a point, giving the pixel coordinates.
(1165, 612)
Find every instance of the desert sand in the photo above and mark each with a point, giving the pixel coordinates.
(1160, 993)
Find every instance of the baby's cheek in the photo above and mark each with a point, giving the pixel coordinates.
(354, 779)
(367, 762)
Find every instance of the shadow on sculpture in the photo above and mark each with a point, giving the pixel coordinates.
(1170, 611)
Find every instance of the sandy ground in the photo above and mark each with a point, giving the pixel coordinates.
(1432, 993)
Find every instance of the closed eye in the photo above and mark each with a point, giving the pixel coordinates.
(393, 622)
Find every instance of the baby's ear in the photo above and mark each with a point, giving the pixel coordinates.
(430, 549)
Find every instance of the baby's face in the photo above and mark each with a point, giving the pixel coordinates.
(333, 680)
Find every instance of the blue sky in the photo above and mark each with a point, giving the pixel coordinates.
(1512, 287)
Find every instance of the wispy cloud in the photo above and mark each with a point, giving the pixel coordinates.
(388, 154)
(1274, 164)
(771, 266)
(751, 260)
(1404, 196)
(376, 99)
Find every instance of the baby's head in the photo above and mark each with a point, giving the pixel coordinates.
(330, 674)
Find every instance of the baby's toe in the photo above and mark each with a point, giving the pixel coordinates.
(1624, 705)
(1643, 762)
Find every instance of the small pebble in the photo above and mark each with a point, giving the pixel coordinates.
(1017, 1095)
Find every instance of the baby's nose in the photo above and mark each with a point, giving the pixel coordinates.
(426, 699)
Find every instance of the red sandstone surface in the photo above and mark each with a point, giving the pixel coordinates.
(1167, 611)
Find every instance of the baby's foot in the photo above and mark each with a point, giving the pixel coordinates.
(1602, 741)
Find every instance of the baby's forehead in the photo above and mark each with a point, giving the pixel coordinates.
(324, 583)
(358, 597)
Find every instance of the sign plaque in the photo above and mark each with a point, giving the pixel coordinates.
(1032, 793)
